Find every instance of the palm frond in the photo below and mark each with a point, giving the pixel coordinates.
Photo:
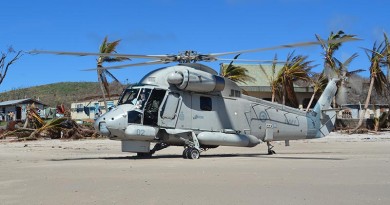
(111, 46)
(103, 46)
(236, 74)
(295, 68)
(54, 124)
(378, 52)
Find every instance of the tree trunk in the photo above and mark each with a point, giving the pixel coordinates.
(273, 95)
(311, 101)
(365, 105)
(284, 91)
(102, 88)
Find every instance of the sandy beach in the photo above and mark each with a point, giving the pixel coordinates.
(338, 169)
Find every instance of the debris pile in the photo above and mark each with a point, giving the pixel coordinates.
(35, 127)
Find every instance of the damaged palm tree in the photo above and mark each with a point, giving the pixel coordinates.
(35, 127)
(236, 73)
(107, 47)
(377, 56)
(295, 68)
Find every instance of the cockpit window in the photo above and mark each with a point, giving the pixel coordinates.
(142, 98)
(129, 97)
(135, 96)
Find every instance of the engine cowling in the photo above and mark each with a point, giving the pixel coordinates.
(197, 81)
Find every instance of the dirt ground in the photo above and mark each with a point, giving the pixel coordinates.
(339, 169)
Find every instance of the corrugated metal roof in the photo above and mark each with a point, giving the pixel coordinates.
(15, 102)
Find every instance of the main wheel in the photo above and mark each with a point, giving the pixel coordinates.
(193, 153)
(185, 156)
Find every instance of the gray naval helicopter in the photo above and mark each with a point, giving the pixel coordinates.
(190, 105)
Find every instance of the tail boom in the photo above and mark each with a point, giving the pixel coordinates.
(323, 112)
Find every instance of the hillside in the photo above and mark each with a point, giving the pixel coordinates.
(60, 93)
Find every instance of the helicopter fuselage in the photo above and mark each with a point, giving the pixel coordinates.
(190, 105)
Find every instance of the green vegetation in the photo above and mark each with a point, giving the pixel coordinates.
(59, 93)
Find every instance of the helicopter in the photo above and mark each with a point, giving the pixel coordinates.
(190, 105)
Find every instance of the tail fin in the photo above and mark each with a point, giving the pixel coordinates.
(322, 110)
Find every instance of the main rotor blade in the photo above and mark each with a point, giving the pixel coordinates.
(165, 57)
(247, 60)
(127, 65)
(302, 44)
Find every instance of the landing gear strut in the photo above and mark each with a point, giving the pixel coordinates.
(270, 150)
(159, 146)
(192, 149)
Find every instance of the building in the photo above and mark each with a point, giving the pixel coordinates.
(90, 109)
(16, 109)
(261, 88)
(353, 111)
(348, 116)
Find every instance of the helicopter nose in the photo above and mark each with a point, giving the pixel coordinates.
(114, 122)
(100, 125)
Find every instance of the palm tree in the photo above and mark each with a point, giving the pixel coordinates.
(342, 73)
(387, 57)
(235, 73)
(377, 77)
(333, 43)
(295, 68)
(107, 47)
(319, 83)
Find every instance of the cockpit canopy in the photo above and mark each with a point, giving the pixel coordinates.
(135, 96)
(146, 101)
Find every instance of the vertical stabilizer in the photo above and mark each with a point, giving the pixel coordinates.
(322, 110)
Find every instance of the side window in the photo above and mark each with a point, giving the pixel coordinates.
(206, 103)
(170, 106)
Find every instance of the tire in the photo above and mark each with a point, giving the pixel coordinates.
(193, 153)
(185, 153)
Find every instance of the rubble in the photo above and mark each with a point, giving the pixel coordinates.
(36, 128)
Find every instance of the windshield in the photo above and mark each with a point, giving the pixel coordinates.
(135, 96)
(129, 97)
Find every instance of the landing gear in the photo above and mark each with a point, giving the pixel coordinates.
(159, 146)
(270, 150)
(191, 153)
(192, 148)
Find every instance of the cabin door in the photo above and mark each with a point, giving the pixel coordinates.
(169, 111)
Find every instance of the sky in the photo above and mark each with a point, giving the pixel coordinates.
(154, 27)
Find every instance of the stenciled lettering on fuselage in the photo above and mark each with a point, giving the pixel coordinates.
(198, 117)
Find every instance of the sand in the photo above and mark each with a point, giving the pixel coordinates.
(338, 169)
